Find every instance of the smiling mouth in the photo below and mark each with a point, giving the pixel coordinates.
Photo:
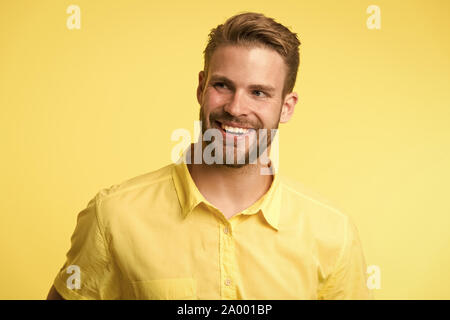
(232, 130)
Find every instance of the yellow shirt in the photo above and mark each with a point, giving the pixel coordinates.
(156, 237)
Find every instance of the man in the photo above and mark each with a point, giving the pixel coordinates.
(220, 229)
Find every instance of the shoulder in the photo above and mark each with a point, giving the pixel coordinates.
(136, 194)
(310, 200)
(325, 220)
(321, 221)
(149, 180)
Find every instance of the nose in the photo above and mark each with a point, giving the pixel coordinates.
(237, 105)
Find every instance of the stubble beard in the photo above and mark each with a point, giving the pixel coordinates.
(261, 143)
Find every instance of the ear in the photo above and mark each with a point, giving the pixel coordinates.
(287, 110)
(200, 88)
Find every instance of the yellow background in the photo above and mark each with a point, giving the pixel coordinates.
(86, 109)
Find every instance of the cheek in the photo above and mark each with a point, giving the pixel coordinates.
(214, 99)
(268, 116)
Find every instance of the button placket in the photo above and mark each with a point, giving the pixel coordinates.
(227, 263)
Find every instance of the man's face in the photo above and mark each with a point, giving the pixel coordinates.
(241, 94)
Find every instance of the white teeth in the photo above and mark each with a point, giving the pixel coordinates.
(234, 129)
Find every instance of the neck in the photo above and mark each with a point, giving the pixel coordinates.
(231, 190)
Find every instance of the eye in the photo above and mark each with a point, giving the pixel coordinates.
(219, 85)
(259, 93)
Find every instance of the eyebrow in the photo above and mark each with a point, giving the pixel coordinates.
(259, 87)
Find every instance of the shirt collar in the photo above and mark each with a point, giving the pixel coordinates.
(189, 196)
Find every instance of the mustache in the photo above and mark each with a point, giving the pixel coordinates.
(221, 117)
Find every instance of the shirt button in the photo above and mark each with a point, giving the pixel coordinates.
(225, 230)
(227, 282)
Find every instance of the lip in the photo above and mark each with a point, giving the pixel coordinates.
(227, 136)
(234, 124)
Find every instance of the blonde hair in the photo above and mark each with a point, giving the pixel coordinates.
(255, 29)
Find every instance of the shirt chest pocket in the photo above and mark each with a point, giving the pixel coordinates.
(165, 289)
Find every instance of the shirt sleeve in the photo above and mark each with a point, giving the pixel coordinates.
(349, 279)
(89, 272)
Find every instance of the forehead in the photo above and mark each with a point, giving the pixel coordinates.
(249, 65)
